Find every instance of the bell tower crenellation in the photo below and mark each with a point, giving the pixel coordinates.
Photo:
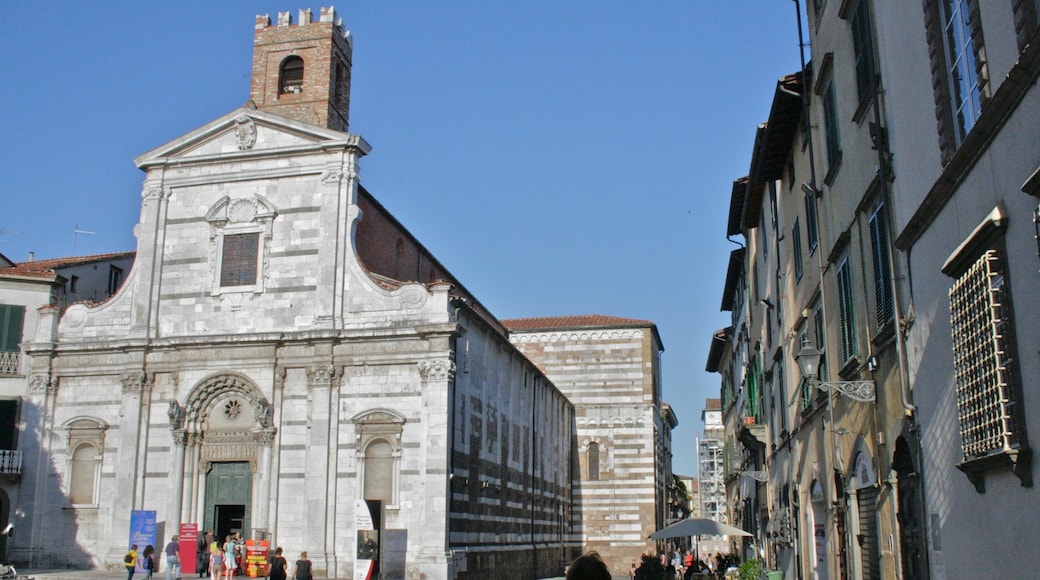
(302, 70)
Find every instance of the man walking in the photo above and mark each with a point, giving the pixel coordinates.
(173, 558)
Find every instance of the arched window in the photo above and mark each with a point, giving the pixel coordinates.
(593, 461)
(290, 77)
(85, 440)
(83, 471)
(379, 471)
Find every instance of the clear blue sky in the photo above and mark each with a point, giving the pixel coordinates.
(558, 157)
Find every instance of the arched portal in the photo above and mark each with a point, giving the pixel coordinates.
(227, 433)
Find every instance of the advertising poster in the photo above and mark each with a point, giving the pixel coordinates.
(189, 544)
(256, 558)
(142, 532)
(367, 541)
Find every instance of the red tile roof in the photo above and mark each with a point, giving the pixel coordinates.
(713, 404)
(45, 269)
(578, 321)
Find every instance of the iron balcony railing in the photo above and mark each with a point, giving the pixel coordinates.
(10, 462)
(10, 362)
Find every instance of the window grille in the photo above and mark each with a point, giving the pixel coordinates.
(983, 357)
(796, 241)
(239, 259)
(884, 303)
(847, 311)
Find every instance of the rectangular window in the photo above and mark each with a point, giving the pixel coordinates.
(115, 279)
(846, 311)
(830, 114)
(821, 344)
(73, 283)
(239, 258)
(962, 70)
(863, 47)
(880, 252)
(12, 320)
(812, 237)
(983, 358)
(796, 241)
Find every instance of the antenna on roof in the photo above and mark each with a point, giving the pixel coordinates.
(76, 231)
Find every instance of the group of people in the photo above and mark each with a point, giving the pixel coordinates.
(216, 560)
(591, 566)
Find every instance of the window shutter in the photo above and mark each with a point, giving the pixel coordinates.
(12, 319)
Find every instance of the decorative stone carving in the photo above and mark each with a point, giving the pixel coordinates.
(437, 370)
(262, 411)
(245, 132)
(134, 382)
(264, 437)
(180, 438)
(331, 176)
(242, 210)
(322, 375)
(42, 384)
(176, 415)
(279, 376)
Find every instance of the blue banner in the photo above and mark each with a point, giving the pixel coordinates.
(142, 532)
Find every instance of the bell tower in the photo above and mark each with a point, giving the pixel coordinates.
(302, 70)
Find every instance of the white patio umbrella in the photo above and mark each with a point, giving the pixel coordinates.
(697, 527)
(694, 527)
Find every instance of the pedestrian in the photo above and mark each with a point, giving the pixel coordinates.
(276, 570)
(149, 561)
(216, 562)
(229, 557)
(302, 568)
(130, 561)
(588, 567)
(173, 558)
(202, 555)
(650, 569)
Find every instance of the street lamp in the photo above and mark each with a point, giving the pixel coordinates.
(809, 362)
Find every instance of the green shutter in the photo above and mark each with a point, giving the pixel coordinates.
(11, 320)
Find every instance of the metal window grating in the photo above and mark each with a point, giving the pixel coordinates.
(982, 357)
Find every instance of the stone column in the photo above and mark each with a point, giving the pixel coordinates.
(319, 496)
(262, 514)
(180, 440)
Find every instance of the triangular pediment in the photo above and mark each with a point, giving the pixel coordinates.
(246, 132)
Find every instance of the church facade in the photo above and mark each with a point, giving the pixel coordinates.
(283, 347)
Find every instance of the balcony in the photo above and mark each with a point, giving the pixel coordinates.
(10, 463)
(10, 363)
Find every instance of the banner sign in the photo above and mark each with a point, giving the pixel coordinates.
(142, 532)
(367, 541)
(189, 544)
(256, 558)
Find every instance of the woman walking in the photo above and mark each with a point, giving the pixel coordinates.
(278, 566)
(302, 568)
(229, 557)
(130, 561)
(149, 561)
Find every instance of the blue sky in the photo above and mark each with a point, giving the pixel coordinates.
(558, 157)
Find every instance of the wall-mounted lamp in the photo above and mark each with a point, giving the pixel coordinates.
(760, 476)
(807, 189)
(809, 363)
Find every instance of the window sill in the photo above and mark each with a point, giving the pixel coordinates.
(1019, 460)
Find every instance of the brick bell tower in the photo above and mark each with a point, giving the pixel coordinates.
(302, 71)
